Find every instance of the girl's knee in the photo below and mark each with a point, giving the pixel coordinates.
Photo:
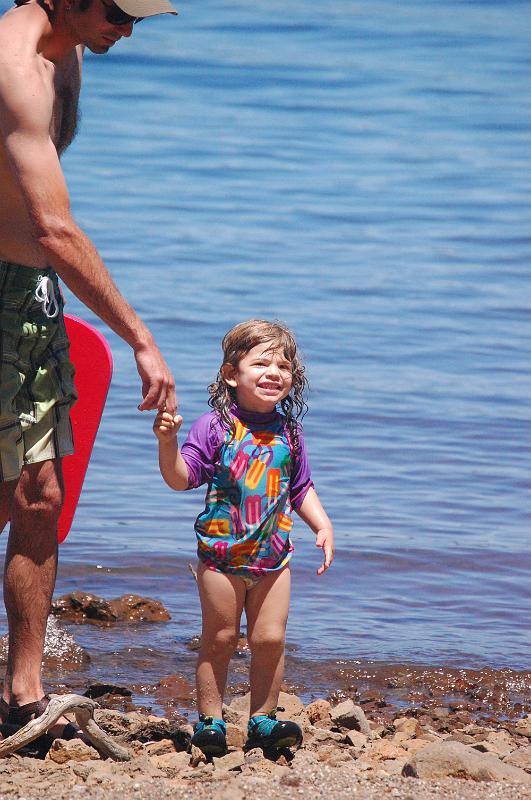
(272, 637)
(220, 642)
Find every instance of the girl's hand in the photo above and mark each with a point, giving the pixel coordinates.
(325, 540)
(166, 426)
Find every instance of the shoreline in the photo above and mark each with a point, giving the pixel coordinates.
(345, 754)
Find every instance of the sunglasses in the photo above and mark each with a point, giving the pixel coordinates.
(115, 16)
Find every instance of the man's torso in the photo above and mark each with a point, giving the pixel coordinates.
(62, 83)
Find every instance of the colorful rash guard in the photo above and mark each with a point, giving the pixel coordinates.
(254, 480)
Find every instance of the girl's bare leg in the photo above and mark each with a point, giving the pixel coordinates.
(222, 598)
(267, 607)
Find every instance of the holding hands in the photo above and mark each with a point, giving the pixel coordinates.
(166, 426)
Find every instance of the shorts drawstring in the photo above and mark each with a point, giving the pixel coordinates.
(45, 294)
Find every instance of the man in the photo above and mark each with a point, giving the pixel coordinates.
(41, 46)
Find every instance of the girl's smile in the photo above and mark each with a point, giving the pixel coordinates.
(262, 378)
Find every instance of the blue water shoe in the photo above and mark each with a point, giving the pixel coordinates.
(210, 736)
(265, 731)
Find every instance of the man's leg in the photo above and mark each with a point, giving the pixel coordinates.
(29, 576)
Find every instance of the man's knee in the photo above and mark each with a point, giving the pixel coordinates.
(39, 494)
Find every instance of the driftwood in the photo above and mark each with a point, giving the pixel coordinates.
(83, 708)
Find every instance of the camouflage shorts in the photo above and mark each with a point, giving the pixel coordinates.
(36, 375)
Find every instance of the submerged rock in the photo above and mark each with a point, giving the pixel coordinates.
(85, 607)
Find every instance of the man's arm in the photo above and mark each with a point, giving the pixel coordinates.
(26, 103)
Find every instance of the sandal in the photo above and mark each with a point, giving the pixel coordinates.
(13, 718)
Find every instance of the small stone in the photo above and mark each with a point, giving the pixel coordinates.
(197, 756)
(383, 750)
(233, 760)
(159, 748)
(356, 739)
(523, 726)
(62, 751)
(318, 710)
(348, 715)
(236, 735)
(406, 725)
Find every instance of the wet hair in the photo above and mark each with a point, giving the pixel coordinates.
(236, 344)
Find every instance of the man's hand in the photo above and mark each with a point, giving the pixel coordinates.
(158, 386)
(166, 426)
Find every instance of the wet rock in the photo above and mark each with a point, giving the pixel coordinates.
(111, 696)
(62, 751)
(132, 608)
(455, 760)
(85, 607)
(97, 690)
(61, 651)
(174, 688)
(520, 758)
(348, 715)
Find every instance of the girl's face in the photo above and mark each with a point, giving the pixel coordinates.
(262, 378)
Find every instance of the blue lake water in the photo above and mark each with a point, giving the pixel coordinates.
(362, 172)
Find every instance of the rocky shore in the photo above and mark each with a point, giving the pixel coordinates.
(344, 754)
(402, 732)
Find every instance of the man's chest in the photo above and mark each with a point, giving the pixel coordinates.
(66, 87)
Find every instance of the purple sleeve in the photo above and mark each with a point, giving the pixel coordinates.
(301, 479)
(199, 451)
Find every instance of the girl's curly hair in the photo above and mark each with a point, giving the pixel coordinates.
(236, 344)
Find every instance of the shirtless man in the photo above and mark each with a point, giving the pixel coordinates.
(41, 46)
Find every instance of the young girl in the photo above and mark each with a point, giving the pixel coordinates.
(253, 460)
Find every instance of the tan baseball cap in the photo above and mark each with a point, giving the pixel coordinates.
(145, 8)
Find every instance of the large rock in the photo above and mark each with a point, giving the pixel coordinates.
(348, 715)
(85, 607)
(456, 760)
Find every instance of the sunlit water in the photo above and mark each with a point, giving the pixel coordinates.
(362, 172)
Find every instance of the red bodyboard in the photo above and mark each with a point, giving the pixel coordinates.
(92, 359)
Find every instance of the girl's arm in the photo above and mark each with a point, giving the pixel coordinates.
(313, 514)
(172, 465)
